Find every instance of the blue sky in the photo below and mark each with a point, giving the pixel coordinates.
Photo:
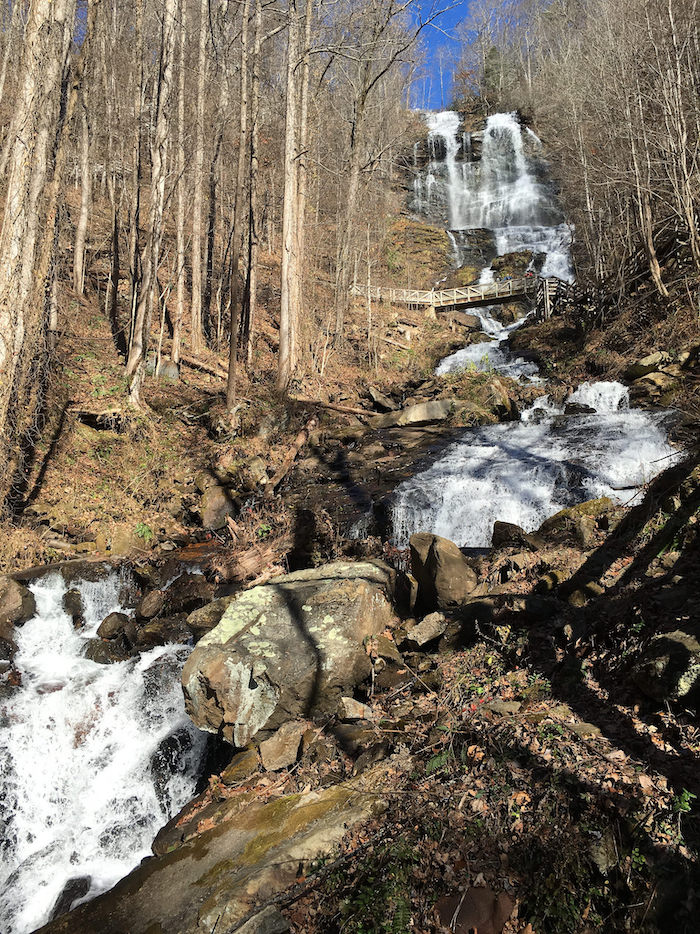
(439, 42)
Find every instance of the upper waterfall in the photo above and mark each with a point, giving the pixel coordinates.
(506, 189)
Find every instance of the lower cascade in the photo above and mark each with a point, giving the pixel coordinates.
(523, 472)
(94, 758)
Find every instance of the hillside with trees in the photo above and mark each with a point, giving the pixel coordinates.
(350, 487)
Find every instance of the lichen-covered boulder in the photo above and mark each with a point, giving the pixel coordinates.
(287, 649)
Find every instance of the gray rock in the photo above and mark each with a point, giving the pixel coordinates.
(351, 709)
(430, 627)
(381, 401)
(669, 668)
(268, 921)
(151, 605)
(280, 751)
(509, 535)
(203, 620)
(113, 626)
(106, 653)
(73, 605)
(422, 413)
(646, 365)
(445, 577)
(288, 648)
(16, 606)
(216, 505)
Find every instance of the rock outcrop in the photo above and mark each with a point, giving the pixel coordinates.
(287, 649)
(669, 669)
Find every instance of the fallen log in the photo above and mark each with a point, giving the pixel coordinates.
(196, 364)
(253, 563)
(333, 406)
(290, 457)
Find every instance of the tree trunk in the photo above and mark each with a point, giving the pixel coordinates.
(198, 183)
(136, 363)
(181, 254)
(238, 214)
(85, 199)
(289, 268)
(37, 111)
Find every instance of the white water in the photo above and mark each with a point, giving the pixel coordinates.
(520, 472)
(524, 472)
(80, 796)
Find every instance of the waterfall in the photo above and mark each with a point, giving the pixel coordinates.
(506, 191)
(94, 759)
(525, 471)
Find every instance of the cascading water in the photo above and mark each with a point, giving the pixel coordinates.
(524, 472)
(94, 758)
(520, 472)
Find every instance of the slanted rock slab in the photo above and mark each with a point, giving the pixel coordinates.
(287, 649)
(215, 878)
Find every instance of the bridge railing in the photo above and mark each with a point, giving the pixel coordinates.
(441, 298)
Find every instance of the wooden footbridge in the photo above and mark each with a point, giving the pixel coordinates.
(545, 293)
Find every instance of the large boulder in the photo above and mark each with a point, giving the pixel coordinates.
(445, 577)
(16, 606)
(669, 668)
(287, 649)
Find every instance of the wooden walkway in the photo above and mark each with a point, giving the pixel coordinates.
(542, 291)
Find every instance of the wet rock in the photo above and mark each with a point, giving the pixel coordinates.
(217, 504)
(187, 593)
(170, 758)
(114, 625)
(445, 577)
(163, 631)
(512, 264)
(73, 890)
(669, 667)
(242, 766)
(423, 413)
(281, 750)
(16, 606)
(73, 605)
(578, 408)
(351, 709)
(430, 627)
(381, 400)
(151, 605)
(288, 648)
(106, 653)
(203, 620)
(509, 535)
